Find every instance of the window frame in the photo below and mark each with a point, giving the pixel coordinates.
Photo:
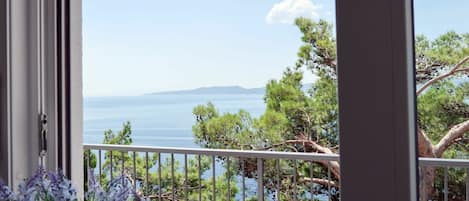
(40, 53)
(375, 43)
(390, 110)
(69, 89)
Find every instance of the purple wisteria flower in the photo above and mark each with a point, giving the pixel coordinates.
(61, 187)
(41, 186)
(51, 186)
(119, 189)
(6, 193)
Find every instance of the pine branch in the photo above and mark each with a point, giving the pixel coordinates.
(456, 69)
(450, 138)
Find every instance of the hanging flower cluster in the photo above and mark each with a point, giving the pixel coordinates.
(50, 186)
(118, 189)
(42, 186)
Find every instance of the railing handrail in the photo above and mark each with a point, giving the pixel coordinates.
(434, 162)
(217, 152)
(444, 162)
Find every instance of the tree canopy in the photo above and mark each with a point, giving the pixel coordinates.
(306, 120)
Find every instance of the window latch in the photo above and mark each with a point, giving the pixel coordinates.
(43, 139)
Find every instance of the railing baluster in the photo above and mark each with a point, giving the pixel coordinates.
(89, 158)
(446, 184)
(88, 171)
(260, 179)
(243, 179)
(160, 185)
(110, 160)
(186, 192)
(423, 182)
(173, 189)
(99, 164)
(228, 178)
(214, 180)
(123, 166)
(311, 174)
(467, 184)
(87, 165)
(295, 189)
(329, 179)
(200, 177)
(123, 162)
(135, 171)
(277, 166)
(146, 174)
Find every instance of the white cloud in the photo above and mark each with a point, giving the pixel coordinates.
(286, 11)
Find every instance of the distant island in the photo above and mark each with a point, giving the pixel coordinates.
(214, 90)
(218, 90)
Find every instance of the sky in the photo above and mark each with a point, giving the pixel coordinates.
(143, 46)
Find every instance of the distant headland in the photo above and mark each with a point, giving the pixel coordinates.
(218, 90)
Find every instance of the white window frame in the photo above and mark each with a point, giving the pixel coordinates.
(40, 40)
(376, 94)
(19, 90)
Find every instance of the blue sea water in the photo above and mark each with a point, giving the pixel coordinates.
(159, 120)
(165, 120)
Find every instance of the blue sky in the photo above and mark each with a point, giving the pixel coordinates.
(142, 46)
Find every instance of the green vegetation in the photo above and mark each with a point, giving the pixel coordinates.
(306, 121)
(300, 121)
(124, 137)
(443, 108)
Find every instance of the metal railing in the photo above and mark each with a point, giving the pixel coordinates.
(446, 164)
(229, 156)
(258, 158)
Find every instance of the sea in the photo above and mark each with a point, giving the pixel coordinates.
(159, 120)
(166, 120)
(162, 120)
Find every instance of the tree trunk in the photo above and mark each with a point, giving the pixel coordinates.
(427, 180)
(427, 149)
(427, 174)
(425, 146)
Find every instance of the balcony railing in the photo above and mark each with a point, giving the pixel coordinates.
(445, 164)
(268, 186)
